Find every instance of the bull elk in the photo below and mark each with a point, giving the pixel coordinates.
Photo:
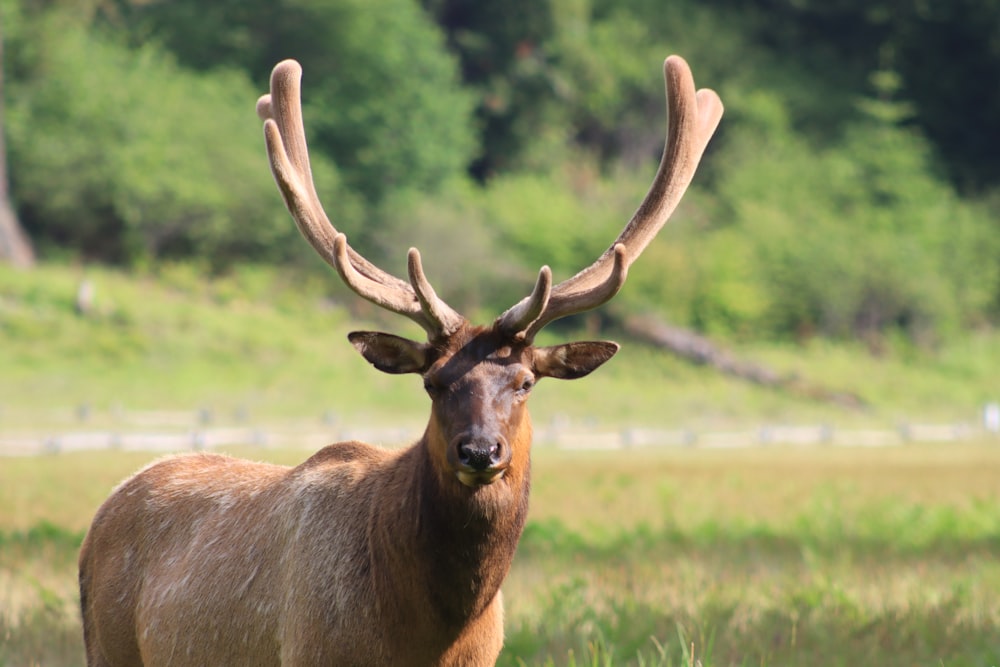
(362, 555)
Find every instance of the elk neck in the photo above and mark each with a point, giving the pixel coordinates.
(469, 535)
(461, 540)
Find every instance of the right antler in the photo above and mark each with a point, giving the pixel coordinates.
(284, 134)
(692, 119)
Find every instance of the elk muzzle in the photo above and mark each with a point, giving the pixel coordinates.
(479, 458)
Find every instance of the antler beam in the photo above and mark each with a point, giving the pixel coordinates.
(692, 118)
(284, 135)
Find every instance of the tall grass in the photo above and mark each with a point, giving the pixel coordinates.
(773, 556)
(779, 557)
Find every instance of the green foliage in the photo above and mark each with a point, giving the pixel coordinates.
(610, 57)
(381, 94)
(123, 156)
(459, 246)
(849, 192)
(392, 116)
(943, 54)
(483, 246)
(39, 535)
(543, 221)
(506, 60)
(852, 239)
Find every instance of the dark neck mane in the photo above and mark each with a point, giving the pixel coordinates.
(459, 542)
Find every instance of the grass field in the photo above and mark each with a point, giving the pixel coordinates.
(769, 556)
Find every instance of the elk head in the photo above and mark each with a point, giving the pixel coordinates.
(479, 377)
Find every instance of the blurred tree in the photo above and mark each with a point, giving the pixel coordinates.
(946, 55)
(121, 155)
(15, 247)
(855, 239)
(382, 94)
(824, 205)
(505, 50)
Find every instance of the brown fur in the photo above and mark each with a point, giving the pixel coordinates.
(357, 556)
(207, 560)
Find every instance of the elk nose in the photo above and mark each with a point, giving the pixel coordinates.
(481, 453)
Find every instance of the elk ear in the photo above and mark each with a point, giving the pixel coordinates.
(572, 360)
(391, 354)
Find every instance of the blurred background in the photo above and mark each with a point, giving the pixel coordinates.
(831, 277)
(839, 246)
(842, 228)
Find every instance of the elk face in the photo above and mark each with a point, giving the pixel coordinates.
(479, 381)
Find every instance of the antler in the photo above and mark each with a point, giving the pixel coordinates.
(692, 119)
(284, 134)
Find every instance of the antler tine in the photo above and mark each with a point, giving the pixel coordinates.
(517, 318)
(692, 119)
(439, 315)
(284, 135)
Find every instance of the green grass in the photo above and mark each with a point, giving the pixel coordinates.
(773, 556)
(274, 345)
(776, 557)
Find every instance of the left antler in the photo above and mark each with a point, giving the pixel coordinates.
(285, 137)
(692, 119)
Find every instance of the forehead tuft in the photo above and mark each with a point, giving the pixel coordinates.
(482, 347)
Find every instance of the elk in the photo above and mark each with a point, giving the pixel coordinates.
(362, 555)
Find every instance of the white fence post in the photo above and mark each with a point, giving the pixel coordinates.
(991, 418)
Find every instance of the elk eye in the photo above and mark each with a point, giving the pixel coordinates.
(527, 385)
(431, 388)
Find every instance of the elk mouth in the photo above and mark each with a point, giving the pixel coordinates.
(477, 478)
(479, 460)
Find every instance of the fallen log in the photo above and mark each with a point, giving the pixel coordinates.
(699, 350)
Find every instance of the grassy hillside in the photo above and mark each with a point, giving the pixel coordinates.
(273, 345)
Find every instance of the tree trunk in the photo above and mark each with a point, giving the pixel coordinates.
(15, 246)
